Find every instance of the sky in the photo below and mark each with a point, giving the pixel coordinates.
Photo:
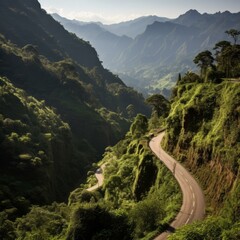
(114, 11)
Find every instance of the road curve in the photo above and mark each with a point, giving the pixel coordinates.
(100, 178)
(193, 205)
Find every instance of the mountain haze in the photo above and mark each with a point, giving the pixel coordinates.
(109, 45)
(154, 58)
(134, 27)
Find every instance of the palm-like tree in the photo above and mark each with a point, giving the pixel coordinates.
(204, 60)
(234, 34)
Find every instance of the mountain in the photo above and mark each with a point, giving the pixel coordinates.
(134, 27)
(202, 133)
(33, 25)
(38, 161)
(108, 45)
(152, 61)
(140, 196)
(213, 26)
(59, 108)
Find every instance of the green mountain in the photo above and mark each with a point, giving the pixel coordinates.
(55, 77)
(59, 108)
(38, 161)
(203, 134)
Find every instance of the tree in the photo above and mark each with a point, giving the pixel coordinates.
(130, 110)
(190, 77)
(228, 59)
(139, 126)
(159, 103)
(221, 46)
(234, 34)
(179, 77)
(146, 217)
(204, 60)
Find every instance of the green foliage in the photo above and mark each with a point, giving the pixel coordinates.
(147, 216)
(41, 159)
(227, 60)
(234, 33)
(92, 221)
(41, 223)
(75, 92)
(203, 132)
(139, 126)
(190, 77)
(134, 184)
(160, 104)
(204, 60)
(118, 123)
(145, 175)
(36, 153)
(211, 228)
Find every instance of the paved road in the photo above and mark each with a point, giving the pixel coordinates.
(193, 206)
(100, 178)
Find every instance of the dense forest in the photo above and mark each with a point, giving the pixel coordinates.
(60, 110)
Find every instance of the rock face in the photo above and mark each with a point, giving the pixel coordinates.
(204, 134)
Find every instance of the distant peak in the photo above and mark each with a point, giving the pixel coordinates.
(192, 12)
(55, 14)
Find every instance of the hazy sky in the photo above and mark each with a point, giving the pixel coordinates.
(110, 11)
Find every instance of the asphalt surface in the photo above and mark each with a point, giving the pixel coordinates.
(193, 203)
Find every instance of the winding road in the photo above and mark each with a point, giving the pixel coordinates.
(100, 178)
(193, 205)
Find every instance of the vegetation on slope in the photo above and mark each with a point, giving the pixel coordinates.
(69, 77)
(136, 185)
(38, 162)
(75, 92)
(204, 134)
(62, 79)
(139, 198)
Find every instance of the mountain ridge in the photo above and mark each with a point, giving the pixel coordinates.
(207, 29)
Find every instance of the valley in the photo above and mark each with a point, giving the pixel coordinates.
(151, 59)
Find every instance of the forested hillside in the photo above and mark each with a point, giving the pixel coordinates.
(38, 160)
(204, 134)
(59, 109)
(54, 65)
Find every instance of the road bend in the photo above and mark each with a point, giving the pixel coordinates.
(193, 203)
